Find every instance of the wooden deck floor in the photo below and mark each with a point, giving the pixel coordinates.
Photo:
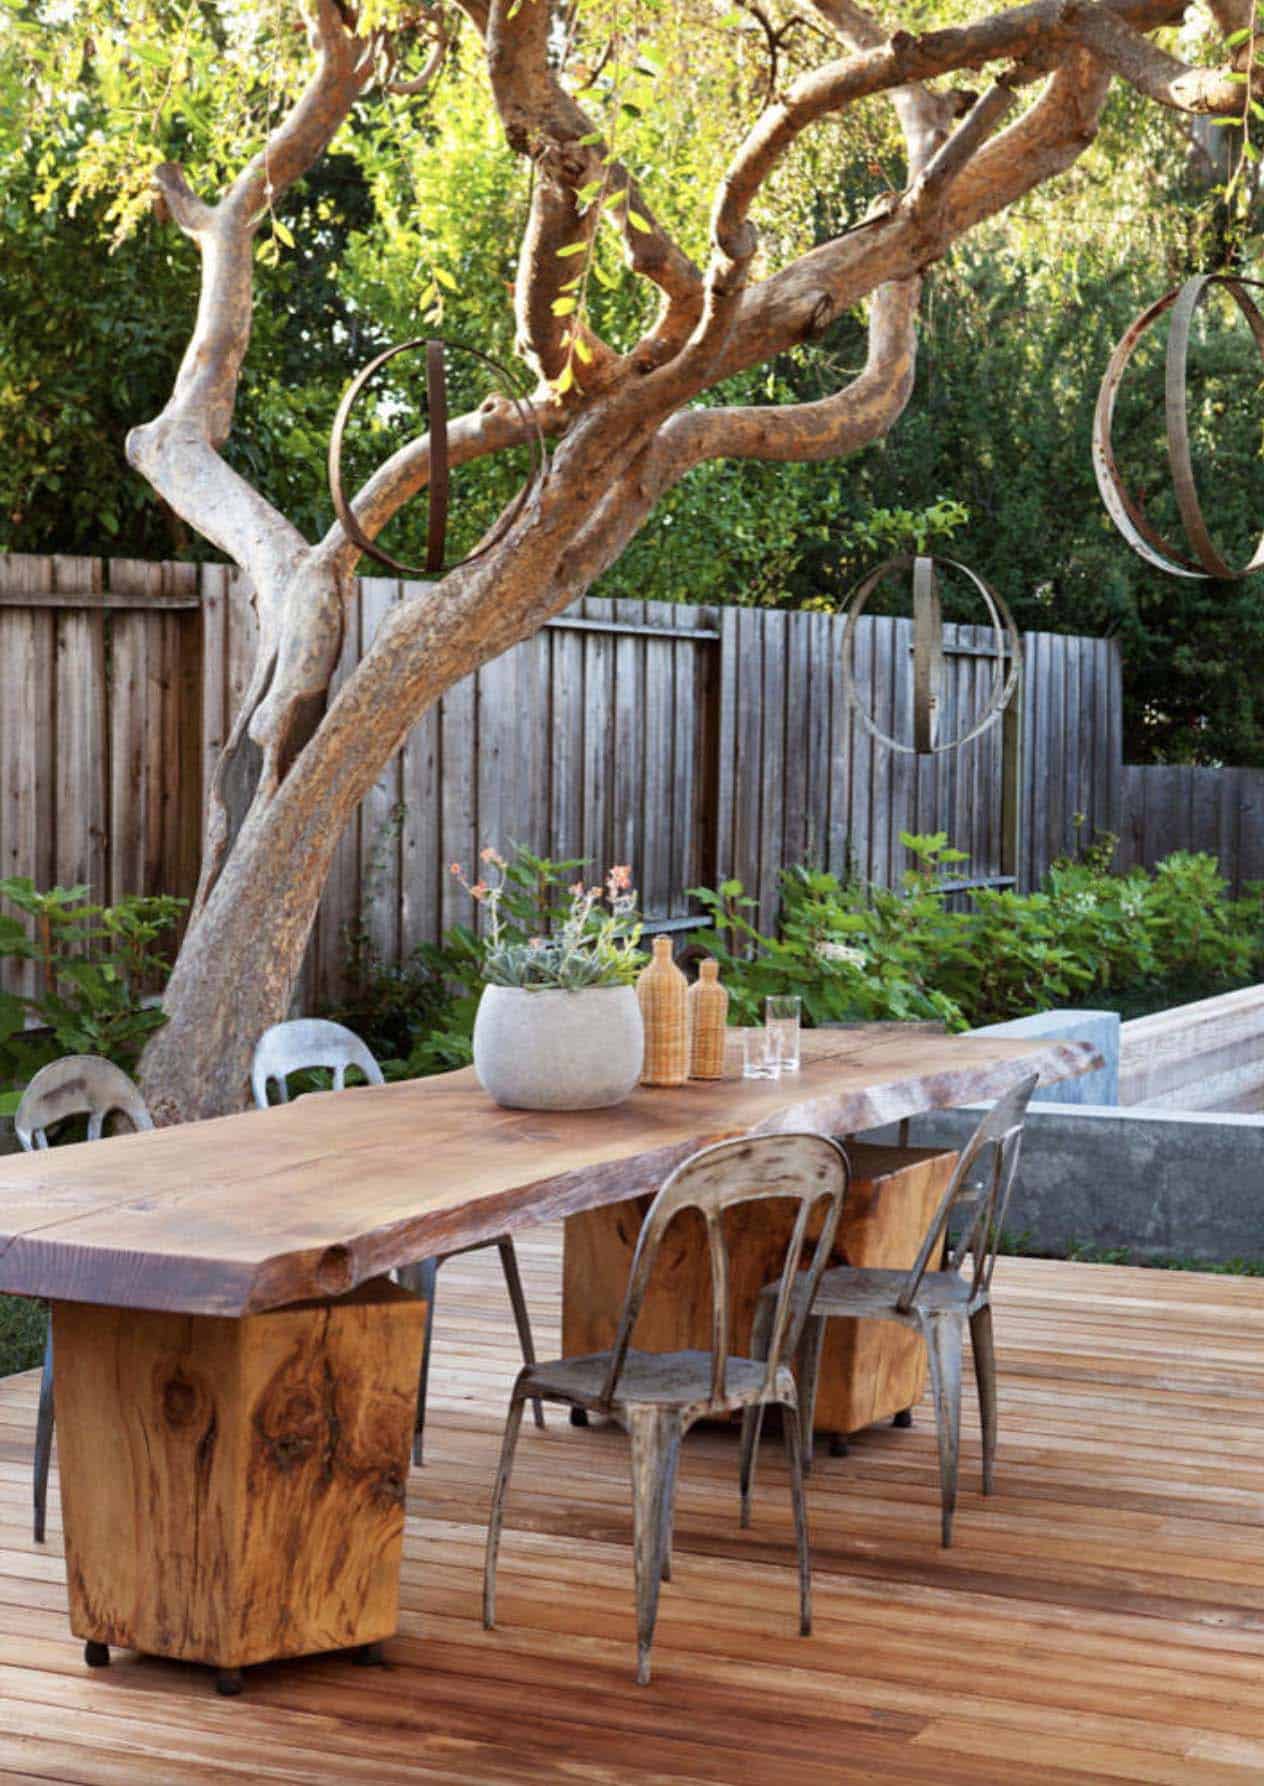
(1100, 1619)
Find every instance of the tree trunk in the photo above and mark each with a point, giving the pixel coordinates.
(239, 961)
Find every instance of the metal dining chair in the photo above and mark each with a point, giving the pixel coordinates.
(657, 1396)
(77, 1085)
(307, 1043)
(936, 1301)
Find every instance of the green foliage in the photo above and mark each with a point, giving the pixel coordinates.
(855, 952)
(23, 1326)
(93, 965)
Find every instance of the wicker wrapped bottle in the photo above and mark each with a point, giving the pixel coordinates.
(708, 1014)
(663, 992)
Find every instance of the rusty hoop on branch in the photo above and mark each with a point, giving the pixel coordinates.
(437, 425)
(1127, 514)
(928, 655)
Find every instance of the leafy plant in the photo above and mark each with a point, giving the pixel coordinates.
(593, 943)
(94, 968)
(853, 951)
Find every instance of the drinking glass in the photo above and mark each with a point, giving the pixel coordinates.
(761, 1054)
(781, 1016)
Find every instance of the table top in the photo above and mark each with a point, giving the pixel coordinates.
(248, 1212)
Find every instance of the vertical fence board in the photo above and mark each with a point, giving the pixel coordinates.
(81, 803)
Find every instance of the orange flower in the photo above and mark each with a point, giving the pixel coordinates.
(480, 890)
(454, 868)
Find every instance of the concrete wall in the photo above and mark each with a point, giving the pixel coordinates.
(1172, 1183)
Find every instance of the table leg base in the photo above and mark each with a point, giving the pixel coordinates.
(904, 1419)
(839, 1445)
(369, 1655)
(233, 1490)
(228, 1683)
(579, 1416)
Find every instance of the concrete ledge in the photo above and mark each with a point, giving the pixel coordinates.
(1101, 1028)
(1204, 1056)
(1177, 1184)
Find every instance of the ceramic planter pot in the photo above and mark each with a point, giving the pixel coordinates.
(550, 1050)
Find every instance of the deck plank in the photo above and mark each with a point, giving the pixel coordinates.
(1100, 1619)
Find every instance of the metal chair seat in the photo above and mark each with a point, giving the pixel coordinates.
(305, 1043)
(874, 1294)
(939, 1304)
(77, 1085)
(657, 1397)
(678, 1380)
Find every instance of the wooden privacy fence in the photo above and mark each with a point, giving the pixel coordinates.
(1177, 806)
(692, 743)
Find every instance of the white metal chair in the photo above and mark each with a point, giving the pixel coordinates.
(305, 1043)
(937, 1303)
(657, 1396)
(78, 1085)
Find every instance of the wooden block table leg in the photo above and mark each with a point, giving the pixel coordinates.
(233, 1490)
(870, 1370)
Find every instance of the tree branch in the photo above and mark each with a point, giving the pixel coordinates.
(1151, 70)
(178, 452)
(543, 122)
(863, 411)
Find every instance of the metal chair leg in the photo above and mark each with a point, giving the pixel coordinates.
(753, 1417)
(794, 1457)
(983, 1346)
(944, 1335)
(811, 1346)
(44, 1438)
(496, 1515)
(669, 1510)
(518, 1302)
(655, 1434)
(422, 1279)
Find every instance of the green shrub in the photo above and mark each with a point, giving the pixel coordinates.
(94, 965)
(855, 952)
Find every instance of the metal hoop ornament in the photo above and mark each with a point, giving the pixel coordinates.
(928, 654)
(437, 422)
(1124, 511)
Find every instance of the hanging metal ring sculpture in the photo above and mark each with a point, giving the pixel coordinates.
(928, 655)
(1124, 511)
(437, 424)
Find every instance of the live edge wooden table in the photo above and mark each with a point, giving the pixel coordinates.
(235, 1373)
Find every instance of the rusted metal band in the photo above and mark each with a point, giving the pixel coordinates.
(1007, 641)
(437, 426)
(1124, 511)
(928, 656)
(1191, 295)
(533, 433)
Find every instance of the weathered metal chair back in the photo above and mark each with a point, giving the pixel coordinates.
(305, 1043)
(806, 1168)
(77, 1085)
(996, 1143)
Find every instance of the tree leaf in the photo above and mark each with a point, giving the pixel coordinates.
(638, 222)
(571, 248)
(563, 306)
